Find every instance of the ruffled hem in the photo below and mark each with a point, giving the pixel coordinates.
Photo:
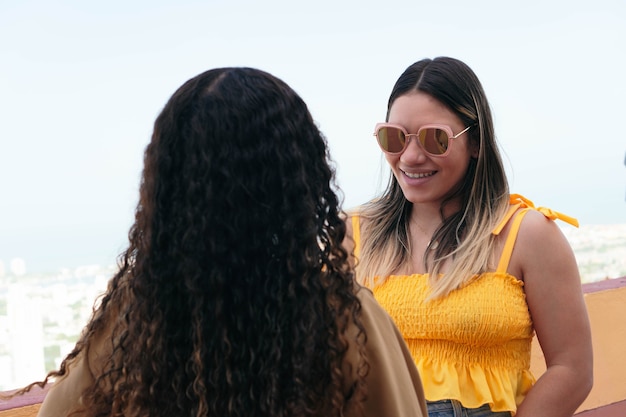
(473, 385)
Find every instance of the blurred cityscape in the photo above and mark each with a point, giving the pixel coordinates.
(42, 315)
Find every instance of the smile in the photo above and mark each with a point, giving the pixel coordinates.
(419, 174)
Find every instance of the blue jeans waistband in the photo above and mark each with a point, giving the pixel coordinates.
(453, 408)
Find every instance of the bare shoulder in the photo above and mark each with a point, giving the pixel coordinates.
(541, 248)
(537, 231)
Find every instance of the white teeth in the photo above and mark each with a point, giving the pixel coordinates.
(419, 175)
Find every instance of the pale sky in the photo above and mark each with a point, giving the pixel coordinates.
(82, 82)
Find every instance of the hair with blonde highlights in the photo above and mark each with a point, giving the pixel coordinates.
(465, 237)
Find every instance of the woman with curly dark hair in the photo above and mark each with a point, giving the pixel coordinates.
(235, 296)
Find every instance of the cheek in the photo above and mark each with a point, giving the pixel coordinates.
(456, 165)
(466, 150)
(470, 147)
(391, 160)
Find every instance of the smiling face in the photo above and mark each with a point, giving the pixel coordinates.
(427, 179)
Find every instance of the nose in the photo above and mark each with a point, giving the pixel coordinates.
(413, 152)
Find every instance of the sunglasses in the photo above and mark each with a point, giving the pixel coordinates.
(434, 139)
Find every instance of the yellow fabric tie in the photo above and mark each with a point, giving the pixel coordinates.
(521, 201)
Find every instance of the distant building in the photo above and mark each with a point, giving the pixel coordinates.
(26, 337)
(18, 267)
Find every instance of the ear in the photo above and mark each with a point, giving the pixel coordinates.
(475, 149)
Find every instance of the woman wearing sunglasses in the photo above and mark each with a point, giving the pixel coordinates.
(467, 270)
(236, 296)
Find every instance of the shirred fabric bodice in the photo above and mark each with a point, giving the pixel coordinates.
(472, 345)
(478, 336)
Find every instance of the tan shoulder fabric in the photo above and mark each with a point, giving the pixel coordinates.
(394, 386)
(66, 392)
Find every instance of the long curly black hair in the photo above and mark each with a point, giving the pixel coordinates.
(234, 295)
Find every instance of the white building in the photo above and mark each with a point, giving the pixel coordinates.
(25, 342)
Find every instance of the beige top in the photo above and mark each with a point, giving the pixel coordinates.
(394, 388)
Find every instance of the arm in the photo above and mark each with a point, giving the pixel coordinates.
(555, 301)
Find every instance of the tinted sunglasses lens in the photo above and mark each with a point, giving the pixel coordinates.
(435, 141)
(391, 139)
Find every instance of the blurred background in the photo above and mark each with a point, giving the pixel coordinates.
(82, 82)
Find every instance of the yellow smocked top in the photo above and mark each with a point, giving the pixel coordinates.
(474, 344)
